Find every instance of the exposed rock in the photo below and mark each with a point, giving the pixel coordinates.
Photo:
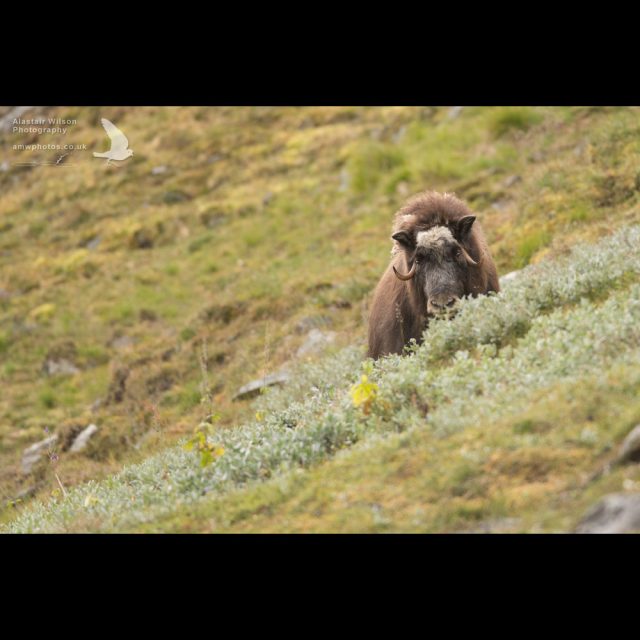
(61, 359)
(316, 341)
(32, 454)
(83, 438)
(122, 342)
(159, 170)
(59, 367)
(93, 243)
(500, 205)
(311, 322)
(399, 134)
(615, 513)
(509, 276)
(630, 449)
(498, 525)
(253, 388)
(344, 180)
(454, 112)
(580, 148)
(4, 166)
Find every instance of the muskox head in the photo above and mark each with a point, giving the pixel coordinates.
(438, 263)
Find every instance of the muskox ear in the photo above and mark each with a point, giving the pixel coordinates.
(463, 227)
(404, 238)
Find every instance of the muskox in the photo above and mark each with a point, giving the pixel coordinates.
(439, 256)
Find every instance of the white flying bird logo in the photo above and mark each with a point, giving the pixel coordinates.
(119, 143)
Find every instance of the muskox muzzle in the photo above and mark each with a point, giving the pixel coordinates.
(442, 304)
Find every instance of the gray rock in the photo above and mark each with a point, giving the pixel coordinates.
(158, 171)
(82, 439)
(630, 449)
(507, 277)
(399, 134)
(344, 180)
(454, 112)
(32, 454)
(4, 166)
(311, 322)
(93, 243)
(615, 513)
(316, 341)
(498, 525)
(62, 367)
(253, 388)
(580, 148)
(122, 342)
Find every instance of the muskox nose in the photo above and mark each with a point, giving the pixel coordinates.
(441, 304)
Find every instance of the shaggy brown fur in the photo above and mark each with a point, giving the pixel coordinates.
(399, 308)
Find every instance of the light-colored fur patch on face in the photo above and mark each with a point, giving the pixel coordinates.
(435, 238)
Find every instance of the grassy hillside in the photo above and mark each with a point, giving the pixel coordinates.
(503, 411)
(205, 261)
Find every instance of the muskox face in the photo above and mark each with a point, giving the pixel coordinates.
(438, 263)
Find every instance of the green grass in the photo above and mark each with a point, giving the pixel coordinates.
(442, 396)
(530, 245)
(509, 119)
(373, 161)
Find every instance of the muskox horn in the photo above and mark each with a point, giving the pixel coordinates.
(409, 275)
(468, 258)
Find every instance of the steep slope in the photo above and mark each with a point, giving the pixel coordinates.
(206, 260)
(506, 411)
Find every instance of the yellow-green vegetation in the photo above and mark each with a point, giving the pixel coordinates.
(560, 324)
(240, 229)
(535, 470)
